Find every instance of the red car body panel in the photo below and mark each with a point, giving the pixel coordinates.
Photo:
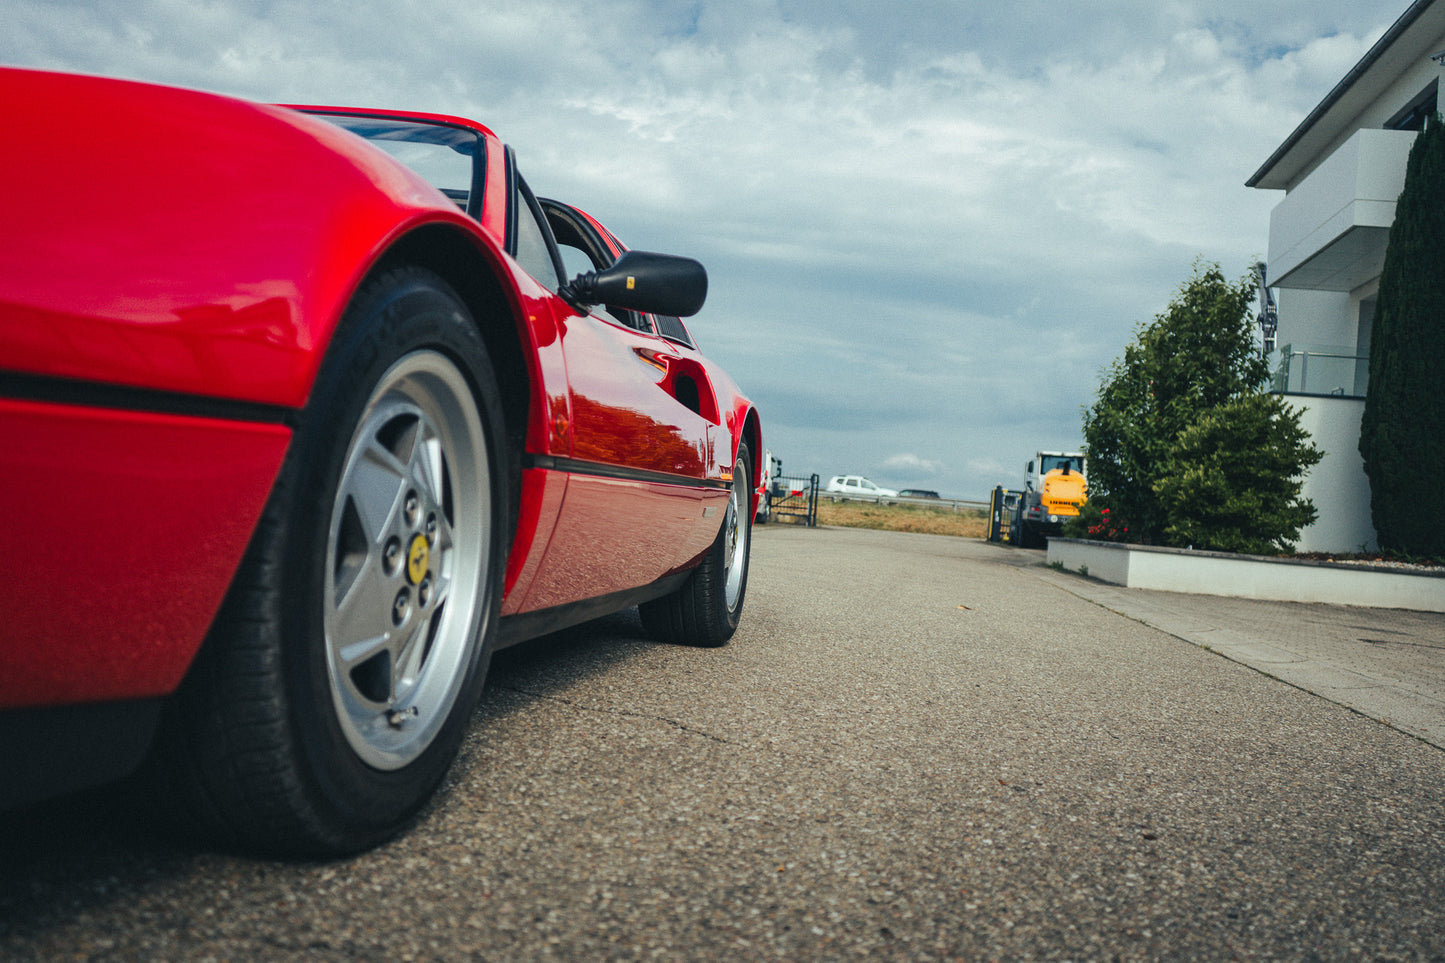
(720, 402)
(202, 250)
(603, 533)
(590, 554)
(541, 503)
(123, 534)
(215, 262)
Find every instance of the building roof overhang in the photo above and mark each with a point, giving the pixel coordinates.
(1408, 40)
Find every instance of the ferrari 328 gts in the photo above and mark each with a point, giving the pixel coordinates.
(307, 412)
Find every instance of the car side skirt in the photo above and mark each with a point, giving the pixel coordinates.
(515, 629)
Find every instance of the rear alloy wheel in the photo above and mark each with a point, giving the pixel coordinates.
(334, 691)
(705, 609)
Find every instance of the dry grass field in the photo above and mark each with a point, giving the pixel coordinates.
(965, 523)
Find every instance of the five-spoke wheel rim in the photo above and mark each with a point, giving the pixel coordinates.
(407, 560)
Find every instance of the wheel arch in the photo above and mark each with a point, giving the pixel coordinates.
(266, 671)
(455, 258)
(752, 433)
(453, 255)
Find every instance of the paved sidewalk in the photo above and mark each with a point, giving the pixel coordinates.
(1387, 664)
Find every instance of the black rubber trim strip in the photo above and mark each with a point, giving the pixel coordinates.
(514, 629)
(575, 466)
(478, 195)
(93, 394)
(510, 171)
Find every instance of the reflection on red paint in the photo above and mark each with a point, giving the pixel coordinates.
(620, 436)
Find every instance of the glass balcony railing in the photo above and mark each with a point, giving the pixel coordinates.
(1319, 370)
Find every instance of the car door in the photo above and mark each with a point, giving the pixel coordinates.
(639, 399)
(646, 471)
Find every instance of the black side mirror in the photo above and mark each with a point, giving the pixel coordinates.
(642, 281)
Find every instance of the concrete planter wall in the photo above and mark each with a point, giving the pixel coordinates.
(1250, 576)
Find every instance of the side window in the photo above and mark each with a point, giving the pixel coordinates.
(633, 319)
(582, 251)
(533, 251)
(574, 260)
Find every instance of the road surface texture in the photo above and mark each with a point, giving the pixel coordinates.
(915, 748)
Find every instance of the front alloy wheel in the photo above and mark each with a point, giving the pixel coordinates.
(736, 533)
(404, 560)
(334, 691)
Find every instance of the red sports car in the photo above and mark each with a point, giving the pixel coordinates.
(303, 420)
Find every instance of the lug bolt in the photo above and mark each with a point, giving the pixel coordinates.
(391, 556)
(401, 608)
(423, 592)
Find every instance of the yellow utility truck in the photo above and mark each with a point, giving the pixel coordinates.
(1055, 488)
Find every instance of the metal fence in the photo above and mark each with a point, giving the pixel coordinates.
(954, 505)
(793, 500)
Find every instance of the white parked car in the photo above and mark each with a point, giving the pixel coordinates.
(856, 486)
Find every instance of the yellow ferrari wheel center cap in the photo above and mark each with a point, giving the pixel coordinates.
(418, 556)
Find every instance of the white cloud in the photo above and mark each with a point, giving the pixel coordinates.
(911, 465)
(925, 233)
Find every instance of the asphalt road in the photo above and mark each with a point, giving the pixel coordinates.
(915, 748)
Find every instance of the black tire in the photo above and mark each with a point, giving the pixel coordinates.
(336, 685)
(706, 608)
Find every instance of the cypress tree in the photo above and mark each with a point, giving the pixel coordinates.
(1402, 431)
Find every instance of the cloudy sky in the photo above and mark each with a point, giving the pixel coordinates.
(929, 224)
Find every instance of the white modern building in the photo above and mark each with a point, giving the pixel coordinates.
(1342, 170)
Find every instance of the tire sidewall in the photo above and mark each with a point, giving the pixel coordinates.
(396, 315)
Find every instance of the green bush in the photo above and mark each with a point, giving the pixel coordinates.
(1184, 446)
(1232, 483)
